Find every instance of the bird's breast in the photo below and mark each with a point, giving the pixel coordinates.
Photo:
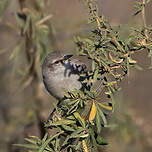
(60, 81)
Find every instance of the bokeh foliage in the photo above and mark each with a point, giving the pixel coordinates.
(79, 121)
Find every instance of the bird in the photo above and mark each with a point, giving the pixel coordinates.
(61, 72)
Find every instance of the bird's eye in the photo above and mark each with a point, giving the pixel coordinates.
(57, 62)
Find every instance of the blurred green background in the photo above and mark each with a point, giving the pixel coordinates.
(132, 118)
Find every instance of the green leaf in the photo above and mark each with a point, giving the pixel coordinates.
(79, 118)
(60, 123)
(88, 41)
(31, 141)
(71, 117)
(102, 115)
(30, 146)
(45, 137)
(72, 102)
(49, 140)
(66, 141)
(73, 107)
(105, 106)
(68, 128)
(95, 75)
(91, 131)
(78, 146)
(77, 134)
(57, 144)
(91, 94)
(111, 96)
(139, 7)
(101, 141)
(98, 122)
(128, 67)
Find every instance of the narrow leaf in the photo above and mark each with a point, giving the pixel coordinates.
(67, 128)
(31, 141)
(48, 141)
(60, 122)
(79, 118)
(98, 122)
(102, 115)
(109, 108)
(93, 140)
(30, 146)
(92, 112)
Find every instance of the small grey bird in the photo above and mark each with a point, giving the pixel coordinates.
(61, 72)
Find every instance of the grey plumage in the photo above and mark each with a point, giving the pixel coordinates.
(62, 72)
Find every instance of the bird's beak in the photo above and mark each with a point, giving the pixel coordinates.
(67, 56)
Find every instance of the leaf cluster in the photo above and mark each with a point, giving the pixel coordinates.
(73, 130)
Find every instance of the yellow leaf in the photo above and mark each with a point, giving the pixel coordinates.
(92, 112)
(85, 149)
(112, 83)
(132, 61)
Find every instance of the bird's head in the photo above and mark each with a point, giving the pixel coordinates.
(56, 59)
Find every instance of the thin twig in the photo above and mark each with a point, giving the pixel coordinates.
(144, 18)
(44, 19)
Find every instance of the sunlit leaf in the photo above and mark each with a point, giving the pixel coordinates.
(45, 137)
(73, 107)
(84, 145)
(79, 118)
(109, 108)
(93, 65)
(92, 112)
(131, 61)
